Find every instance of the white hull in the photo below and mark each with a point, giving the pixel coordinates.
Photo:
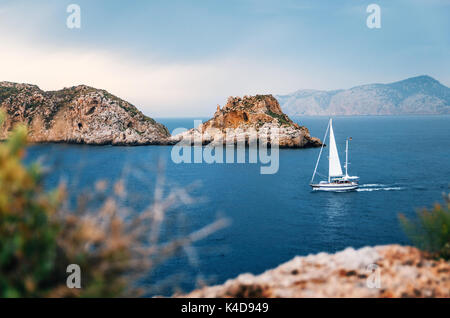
(334, 187)
(337, 180)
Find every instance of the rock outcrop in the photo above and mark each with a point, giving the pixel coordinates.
(381, 271)
(80, 114)
(247, 118)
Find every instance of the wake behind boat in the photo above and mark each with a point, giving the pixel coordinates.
(337, 181)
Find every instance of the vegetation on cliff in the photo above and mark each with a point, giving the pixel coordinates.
(79, 114)
(249, 114)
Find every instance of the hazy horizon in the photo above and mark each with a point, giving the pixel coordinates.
(181, 59)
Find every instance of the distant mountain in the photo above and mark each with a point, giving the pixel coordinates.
(416, 95)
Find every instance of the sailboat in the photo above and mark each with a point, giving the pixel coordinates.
(337, 180)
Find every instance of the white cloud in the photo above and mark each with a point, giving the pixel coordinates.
(263, 63)
(158, 89)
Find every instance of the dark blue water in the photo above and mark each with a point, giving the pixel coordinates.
(403, 163)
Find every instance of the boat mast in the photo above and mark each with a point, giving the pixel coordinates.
(346, 157)
(329, 151)
(320, 153)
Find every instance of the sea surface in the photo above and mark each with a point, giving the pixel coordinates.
(403, 163)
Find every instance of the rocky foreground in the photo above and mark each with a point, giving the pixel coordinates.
(247, 118)
(80, 114)
(403, 272)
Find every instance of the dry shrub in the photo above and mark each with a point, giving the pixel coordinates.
(40, 235)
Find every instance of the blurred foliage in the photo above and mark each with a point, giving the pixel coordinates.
(431, 230)
(40, 236)
(27, 233)
(38, 241)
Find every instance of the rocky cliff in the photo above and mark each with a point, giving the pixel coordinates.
(381, 271)
(245, 116)
(417, 95)
(80, 114)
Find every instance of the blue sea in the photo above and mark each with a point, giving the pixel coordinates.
(403, 163)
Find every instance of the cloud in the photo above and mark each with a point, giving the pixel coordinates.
(277, 54)
(158, 88)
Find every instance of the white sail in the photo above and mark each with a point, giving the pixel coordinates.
(334, 168)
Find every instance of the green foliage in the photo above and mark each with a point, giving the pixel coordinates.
(40, 236)
(27, 234)
(262, 97)
(431, 230)
(131, 109)
(38, 241)
(281, 118)
(5, 92)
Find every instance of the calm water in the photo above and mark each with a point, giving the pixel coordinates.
(403, 163)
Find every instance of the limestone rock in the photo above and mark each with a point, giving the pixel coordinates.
(404, 271)
(247, 118)
(79, 114)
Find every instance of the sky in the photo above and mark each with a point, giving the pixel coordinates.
(182, 58)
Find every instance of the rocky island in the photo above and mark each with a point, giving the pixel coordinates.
(79, 114)
(247, 115)
(86, 115)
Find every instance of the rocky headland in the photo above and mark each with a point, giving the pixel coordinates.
(79, 114)
(380, 271)
(250, 117)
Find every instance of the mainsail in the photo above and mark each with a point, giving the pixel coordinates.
(334, 168)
